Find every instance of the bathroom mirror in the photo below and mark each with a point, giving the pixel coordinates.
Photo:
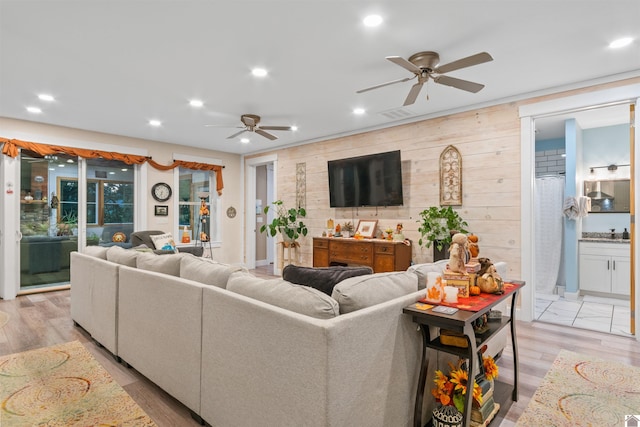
(608, 196)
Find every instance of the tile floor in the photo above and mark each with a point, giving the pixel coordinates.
(588, 312)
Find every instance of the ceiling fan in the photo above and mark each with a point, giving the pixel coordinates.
(251, 124)
(424, 66)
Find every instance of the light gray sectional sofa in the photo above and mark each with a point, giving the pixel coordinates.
(238, 350)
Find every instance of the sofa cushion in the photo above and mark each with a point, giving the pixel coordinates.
(206, 271)
(96, 251)
(122, 256)
(431, 267)
(283, 294)
(322, 279)
(360, 292)
(167, 264)
(164, 241)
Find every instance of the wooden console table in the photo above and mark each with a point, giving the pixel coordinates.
(380, 255)
(462, 321)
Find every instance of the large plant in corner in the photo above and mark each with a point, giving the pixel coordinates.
(286, 221)
(436, 224)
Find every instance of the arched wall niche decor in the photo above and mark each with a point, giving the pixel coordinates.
(450, 177)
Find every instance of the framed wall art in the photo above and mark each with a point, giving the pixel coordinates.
(450, 177)
(367, 227)
(161, 210)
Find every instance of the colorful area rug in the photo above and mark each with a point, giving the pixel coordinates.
(582, 390)
(63, 385)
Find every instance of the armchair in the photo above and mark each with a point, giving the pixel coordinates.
(144, 238)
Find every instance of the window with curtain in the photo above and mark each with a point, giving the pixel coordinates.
(194, 186)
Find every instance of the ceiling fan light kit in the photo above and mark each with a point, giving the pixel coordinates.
(424, 66)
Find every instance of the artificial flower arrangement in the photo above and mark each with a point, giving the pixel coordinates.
(451, 389)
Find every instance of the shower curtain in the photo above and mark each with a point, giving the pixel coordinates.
(549, 232)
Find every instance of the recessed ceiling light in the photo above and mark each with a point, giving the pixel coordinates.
(155, 122)
(196, 103)
(69, 160)
(358, 111)
(52, 169)
(46, 97)
(259, 72)
(294, 128)
(616, 44)
(244, 140)
(112, 173)
(372, 20)
(124, 169)
(61, 165)
(34, 110)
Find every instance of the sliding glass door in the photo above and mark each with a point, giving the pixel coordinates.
(48, 228)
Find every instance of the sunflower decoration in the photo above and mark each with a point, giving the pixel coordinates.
(451, 389)
(490, 368)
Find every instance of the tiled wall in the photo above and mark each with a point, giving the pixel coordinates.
(550, 162)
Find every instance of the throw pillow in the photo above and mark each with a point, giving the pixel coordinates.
(322, 279)
(164, 241)
(360, 292)
(283, 294)
(207, 271)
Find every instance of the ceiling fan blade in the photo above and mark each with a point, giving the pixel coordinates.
(398, 60)
(275, 127)
(223, 126)
(478, 58)
(237, 133)
(459, 83)
(266, 134)
(386, 84)
(413, 94)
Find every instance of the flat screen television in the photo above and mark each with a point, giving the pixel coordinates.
(371, 180)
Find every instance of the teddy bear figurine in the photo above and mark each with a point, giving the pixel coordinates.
(488, 280)
(457, 253)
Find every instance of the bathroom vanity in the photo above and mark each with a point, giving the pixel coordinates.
(605, 266)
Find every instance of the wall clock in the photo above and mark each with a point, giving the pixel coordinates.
(161, 192)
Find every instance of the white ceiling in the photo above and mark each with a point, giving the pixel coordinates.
(112, 65)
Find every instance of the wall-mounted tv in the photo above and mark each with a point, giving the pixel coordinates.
(371, 180)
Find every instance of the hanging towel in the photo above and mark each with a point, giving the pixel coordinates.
(570, 208)
(584, 204)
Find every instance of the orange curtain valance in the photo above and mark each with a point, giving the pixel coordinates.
(12, 148)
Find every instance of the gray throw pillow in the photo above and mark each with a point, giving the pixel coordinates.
(324, 278)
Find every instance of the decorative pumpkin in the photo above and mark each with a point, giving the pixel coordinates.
(472, 245)
(474, 290)
(472, 238)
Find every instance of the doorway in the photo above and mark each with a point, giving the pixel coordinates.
(260, 176)
(596, 139)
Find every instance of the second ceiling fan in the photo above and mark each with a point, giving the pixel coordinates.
(424, 66)
(251, 124)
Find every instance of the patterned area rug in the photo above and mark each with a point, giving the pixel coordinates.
(582, 390)
(63, 385)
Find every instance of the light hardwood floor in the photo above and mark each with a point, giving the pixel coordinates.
(41, 320)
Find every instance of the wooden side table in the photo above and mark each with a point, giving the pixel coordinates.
(462, 321)
(289, 246)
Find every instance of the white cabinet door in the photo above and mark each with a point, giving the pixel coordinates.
(621, 275)
(595, 273)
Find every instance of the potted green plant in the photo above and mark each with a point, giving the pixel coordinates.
(68, 224)
(436, 225)
(286, 221)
